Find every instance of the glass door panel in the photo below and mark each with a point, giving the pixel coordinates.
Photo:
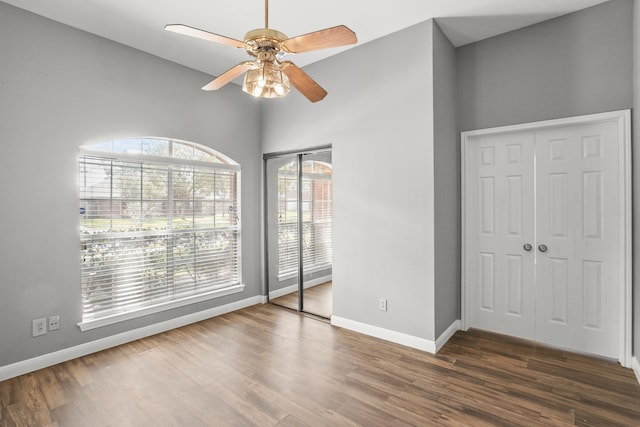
(282, 231)
(299, 202)
(317, 232)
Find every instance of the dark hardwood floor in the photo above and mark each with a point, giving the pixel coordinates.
(266, 366)
(317, 300)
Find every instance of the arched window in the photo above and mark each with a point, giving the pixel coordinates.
(159, 227)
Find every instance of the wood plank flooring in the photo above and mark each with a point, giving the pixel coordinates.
(266, 366)
(317, 300)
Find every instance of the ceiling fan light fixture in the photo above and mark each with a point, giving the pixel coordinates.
(266, 80)
(266, 76)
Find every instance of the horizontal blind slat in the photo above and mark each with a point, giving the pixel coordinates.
(132, 254)
(317, 217)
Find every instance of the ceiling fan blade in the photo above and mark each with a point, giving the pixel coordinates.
(329, 37)
(201, 34)
(228, 75)
(301, 81)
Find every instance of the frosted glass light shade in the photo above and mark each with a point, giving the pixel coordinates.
(266, 80)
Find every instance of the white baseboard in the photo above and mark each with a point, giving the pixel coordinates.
(46, 360)
(282, 292)
(294, 288)
(398, 337)
(635, 365)
(446, 335)
(385, 334)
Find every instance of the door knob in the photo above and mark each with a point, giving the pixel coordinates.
(527, 247)
(543, 248)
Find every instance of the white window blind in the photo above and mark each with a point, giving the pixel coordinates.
(159, 222)
(317, 217)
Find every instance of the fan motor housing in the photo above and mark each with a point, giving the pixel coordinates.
(265, 34)
(263, 43)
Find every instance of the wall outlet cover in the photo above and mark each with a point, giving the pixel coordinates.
(54, 323)
(38, 327)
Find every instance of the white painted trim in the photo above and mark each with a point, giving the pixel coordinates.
(623, 118)
(157, 308)
(294, 288)
(446, 335)
(46, 360)
(465, 317)
(282, 292)
(635, 365)
(625, 349)
(385, 334)
(546, 124)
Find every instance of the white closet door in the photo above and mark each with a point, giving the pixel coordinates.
(577, 219)
(500, 197)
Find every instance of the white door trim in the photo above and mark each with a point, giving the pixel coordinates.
(623, 120)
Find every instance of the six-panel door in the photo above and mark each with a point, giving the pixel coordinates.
(577, 219)
(500, 193)
(543, 257)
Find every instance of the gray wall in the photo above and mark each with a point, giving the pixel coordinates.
(61, 88)
(389, 121)
(575, 64)
(446, 183)
(378, 116)
(636, 177)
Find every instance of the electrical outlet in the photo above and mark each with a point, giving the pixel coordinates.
(38, 327)
(54, 322)
(382, 304)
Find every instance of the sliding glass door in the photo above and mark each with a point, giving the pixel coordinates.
(299, 230)
(281, 197)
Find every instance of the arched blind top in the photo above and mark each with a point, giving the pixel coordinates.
(160, 148)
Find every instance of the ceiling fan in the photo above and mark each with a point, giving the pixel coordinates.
(267, 76)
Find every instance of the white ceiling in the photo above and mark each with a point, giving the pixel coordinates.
(140, 23)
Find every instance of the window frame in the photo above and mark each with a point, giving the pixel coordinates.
(220, 162)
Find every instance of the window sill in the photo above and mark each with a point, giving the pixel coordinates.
(145, 311)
